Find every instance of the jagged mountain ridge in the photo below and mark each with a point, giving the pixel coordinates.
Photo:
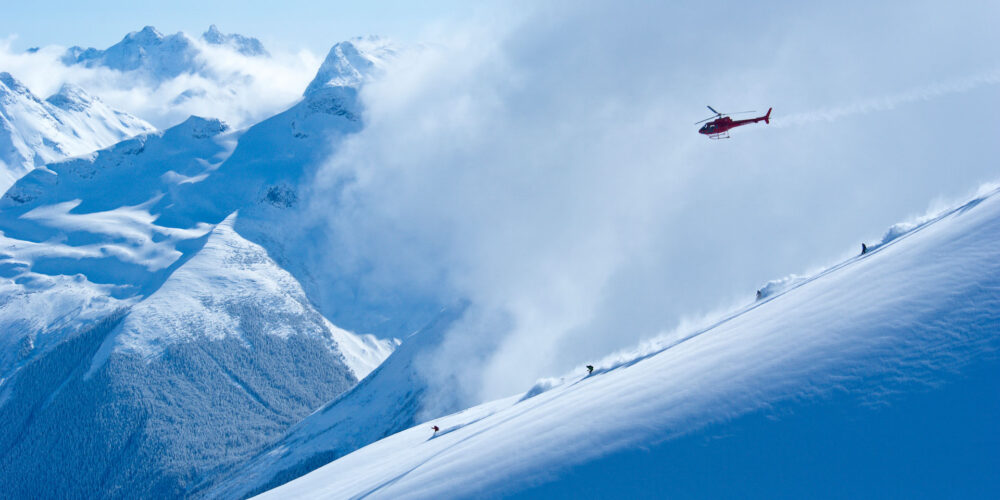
(160, 56)
(166, 78)
(245, 45)
(71, 122)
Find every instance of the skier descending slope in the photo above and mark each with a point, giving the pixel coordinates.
(872, 378)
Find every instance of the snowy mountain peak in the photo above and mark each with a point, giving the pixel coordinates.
(161, 56)
(234, 76)
(352, 62)
(213, 35)
(71, 97)
(146, 36)
(247, 46)
(147, 50)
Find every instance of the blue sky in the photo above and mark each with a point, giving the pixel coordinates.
(289, 24)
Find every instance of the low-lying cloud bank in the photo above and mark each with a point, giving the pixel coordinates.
(237, 88)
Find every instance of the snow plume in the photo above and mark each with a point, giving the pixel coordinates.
(237, 88)
(887, 103)
(543, 167)
(522, 207)
(690, 328)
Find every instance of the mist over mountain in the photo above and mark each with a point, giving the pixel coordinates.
(161, 57)
(165, 78)
(128, 287)
(501, 261)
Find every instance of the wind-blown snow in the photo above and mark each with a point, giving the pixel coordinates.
(556, 179)
(190, 279)
(903, 318)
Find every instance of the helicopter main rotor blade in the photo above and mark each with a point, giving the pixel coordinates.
(713, 110)
(705, 120)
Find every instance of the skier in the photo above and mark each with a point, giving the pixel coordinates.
(864, 249)
(436, 429)
(590, 369)
(758, 294)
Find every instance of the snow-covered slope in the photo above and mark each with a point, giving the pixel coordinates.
(145, 341)
(80, 238)
(34, 132)
(229, 282)
(216, 363)
(876, 377)
(120, 221)
(388, 401)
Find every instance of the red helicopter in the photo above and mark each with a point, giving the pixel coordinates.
(719, 127)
